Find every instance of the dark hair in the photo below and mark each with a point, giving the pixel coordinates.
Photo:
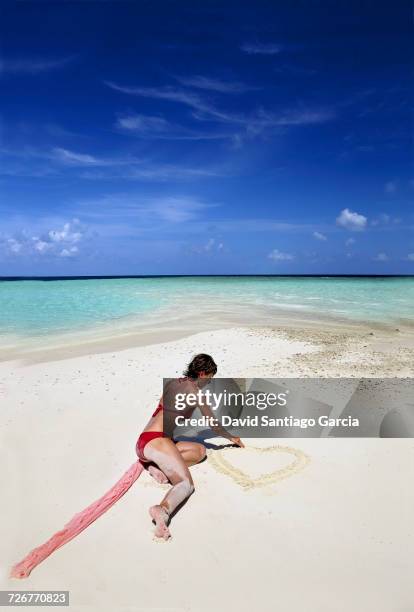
(200, 363)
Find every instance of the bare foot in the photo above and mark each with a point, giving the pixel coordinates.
(157, 475)
(160, 517)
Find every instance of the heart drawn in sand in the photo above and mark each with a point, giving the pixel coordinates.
(218, 460)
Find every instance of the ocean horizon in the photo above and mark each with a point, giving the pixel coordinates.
(109, 276)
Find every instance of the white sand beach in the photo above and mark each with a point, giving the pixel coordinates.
(334, 534)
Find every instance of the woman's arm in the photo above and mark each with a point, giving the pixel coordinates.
(219, 429)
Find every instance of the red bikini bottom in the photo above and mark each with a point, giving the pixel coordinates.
(143, 440)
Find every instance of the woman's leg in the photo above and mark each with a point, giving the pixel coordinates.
(191, 452)
(165, 454)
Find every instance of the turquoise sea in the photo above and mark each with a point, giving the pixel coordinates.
(42, 307)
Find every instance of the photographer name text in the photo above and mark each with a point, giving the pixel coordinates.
(266, 421)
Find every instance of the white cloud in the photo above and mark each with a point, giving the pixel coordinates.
(70, 252)
(304, 117)
(200, 106)
(75, 159)
(164, 172)
(263, 122)
(176, 210)
(277, 255)
(67, 234)
(55, 242)
(254, 123)
(162, 93)
(350, 242)
(351, 220)
(261, 48)
(32, 66)
(14, 245)
(41, 246)
(202, 82)
(136, 209)
(147, 126)
(126, 168)
(319, 236)
(64, 157)
(211, 246)
(381, 257)
(143, 123)
(410, 256)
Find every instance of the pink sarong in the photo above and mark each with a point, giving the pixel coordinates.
(78, 523)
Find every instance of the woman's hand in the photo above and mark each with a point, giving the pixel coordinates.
(237, 441)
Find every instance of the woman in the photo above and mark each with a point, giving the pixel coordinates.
(168, 461)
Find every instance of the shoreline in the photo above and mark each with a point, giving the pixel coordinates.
(315, 349)
(110, 337)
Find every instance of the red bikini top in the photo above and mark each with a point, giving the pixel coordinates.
(158, 409)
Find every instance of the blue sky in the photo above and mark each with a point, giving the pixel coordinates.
(197, 138)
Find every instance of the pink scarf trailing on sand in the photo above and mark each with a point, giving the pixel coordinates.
(78, 523)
